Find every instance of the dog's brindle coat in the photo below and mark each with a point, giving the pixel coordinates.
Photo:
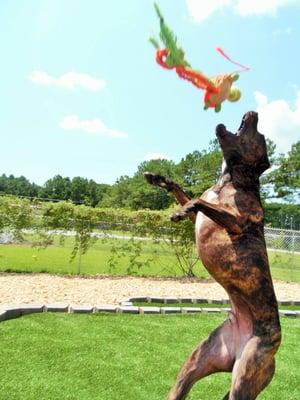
(231, 244)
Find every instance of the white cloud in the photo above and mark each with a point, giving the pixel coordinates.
(278, 121)
(282, 32)
(201, 10)
(259, 7)
(69, 80)
(93, 126)
(156, 156)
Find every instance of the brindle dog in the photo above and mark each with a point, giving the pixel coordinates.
(230, 241)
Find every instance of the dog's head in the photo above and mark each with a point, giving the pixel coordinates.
(246, 148)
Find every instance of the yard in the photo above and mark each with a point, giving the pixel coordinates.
(120, 357)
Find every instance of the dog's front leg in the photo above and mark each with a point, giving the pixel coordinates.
(223, 217)
(165, 183)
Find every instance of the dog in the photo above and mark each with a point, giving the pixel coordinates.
(229, 225)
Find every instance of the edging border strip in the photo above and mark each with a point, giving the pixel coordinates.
(12, 311)
(172, 300)
(185, 310)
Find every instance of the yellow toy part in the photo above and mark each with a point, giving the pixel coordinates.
(234, 95)
(225, 91)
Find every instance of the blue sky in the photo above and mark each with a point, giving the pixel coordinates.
(81, 94)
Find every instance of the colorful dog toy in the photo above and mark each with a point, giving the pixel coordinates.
(217, 88)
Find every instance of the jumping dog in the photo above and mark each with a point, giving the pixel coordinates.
(229, 222)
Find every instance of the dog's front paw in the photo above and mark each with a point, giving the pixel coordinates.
(150, 177)
(177, 216)
(155, 179)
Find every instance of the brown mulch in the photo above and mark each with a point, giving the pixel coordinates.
(46, 289)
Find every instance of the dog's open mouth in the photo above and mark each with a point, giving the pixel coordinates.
(249, 120)
(242, 126)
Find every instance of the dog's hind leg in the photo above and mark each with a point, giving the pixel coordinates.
(215, 354)
(254, 370)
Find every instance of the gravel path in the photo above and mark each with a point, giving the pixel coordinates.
(44, 288)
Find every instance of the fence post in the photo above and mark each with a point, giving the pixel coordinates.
(293, 249)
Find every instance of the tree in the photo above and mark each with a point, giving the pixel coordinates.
(146, 196)
(95, 192)
(200, 170)
(102, 188)
(117, 195)
(285, 179)
(266, 188)
(271, 149)
(79, 190)
(18, 186)
(287, 176)
(281, 215)
(57, 188)
(135, 193)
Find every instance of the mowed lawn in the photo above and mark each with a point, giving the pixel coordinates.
(155, 259)
(120, 357)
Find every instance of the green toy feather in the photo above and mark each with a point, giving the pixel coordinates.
(176, 54)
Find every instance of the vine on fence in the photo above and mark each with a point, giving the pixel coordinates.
(15, 216)
(47, 220)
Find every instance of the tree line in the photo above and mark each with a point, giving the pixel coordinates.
(78, 190)
(195, 172)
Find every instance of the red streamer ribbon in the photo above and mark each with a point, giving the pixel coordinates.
(222, 52)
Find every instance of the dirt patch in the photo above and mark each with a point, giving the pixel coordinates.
(45, 288)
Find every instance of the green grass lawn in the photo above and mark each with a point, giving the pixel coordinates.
(120, 357)
(55, 259)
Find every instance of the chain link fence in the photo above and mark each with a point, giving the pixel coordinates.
(284, 252)
(283, 245)
(282, 240)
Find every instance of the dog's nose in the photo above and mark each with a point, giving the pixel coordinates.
(221, 130)
(250, 116)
